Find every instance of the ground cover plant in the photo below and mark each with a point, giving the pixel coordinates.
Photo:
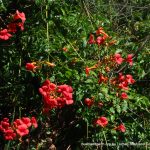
(73, 72)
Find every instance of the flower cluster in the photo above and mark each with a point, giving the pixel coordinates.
(118, 59)
(121, 128)
(32, 66)
(87, 69)
(55, 96)
(102, 78)
(19, 128)
(101, 121)
(4, 35)
(90, 102)
(101, 36)
(16, 24)
(122, 82)
(106, 66)
(109, 62)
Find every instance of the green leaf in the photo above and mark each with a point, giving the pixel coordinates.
(84, 42)
(68, 74)
(124, 106)
(118, 108)
(89, 81)
(143, 74)
(112, 110)
(52, 78)
(104, 89)
(118, 51)
(112, 118)
(113, 132)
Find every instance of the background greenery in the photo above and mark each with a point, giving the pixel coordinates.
(52, 25)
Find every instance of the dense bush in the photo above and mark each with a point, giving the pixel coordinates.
(80, 68)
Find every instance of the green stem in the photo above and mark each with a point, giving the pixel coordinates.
(47, 28)
(18, 147)
(87, 129)
(19, 112)
(19, 72)
(105, 139)
(13, 115)
(47, 25)
(7, 146)
(76, 51)
(88, 14)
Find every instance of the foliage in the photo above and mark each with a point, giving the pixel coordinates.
(55, 44)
